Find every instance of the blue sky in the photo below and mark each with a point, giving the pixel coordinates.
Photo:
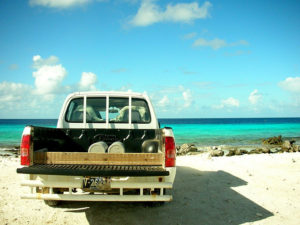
(193, 58)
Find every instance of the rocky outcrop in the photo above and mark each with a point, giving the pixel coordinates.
(216, 153)
(273, 141)
(185, 149)
(275, 150)
(240, 152)
(296, 148)
(14, 151)
(236, 151)
(286, 145)
(230, 152)
(265, 150)
(255, 151)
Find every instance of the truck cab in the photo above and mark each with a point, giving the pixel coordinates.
(110, 110)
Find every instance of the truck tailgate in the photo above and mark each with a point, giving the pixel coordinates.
(94, 170)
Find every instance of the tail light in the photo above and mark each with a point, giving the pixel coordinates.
(170, 150)
(25, 150)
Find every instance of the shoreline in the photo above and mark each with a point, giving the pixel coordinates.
(268, 146)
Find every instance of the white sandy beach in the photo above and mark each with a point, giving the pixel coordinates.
(248, 189)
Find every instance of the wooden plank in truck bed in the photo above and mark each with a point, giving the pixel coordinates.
(85, 158)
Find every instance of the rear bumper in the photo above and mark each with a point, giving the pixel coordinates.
(141, 188)
(99, 197)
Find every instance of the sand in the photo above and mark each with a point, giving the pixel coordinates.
(248, 189)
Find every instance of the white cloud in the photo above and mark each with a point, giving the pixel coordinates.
(16, 100)
(254, 97)
(163, 102)
(228, 103)
(59, 4)
(87, 81)
(150, 13)
(45, 98)
(172, 99)
(19, 100)
(48, 78)
(11, 92)
(188, 98)
(38, 61)
(217, 43)
(291, 84)
(48, 81)
(231, 102)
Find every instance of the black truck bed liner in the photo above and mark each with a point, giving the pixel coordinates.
(93, 170)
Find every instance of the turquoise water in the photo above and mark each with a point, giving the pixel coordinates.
(202, 132)
(11, 130)
(232, 134)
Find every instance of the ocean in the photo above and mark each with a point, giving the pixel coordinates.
(200, 131)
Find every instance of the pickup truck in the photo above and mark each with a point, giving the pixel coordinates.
(108, 146)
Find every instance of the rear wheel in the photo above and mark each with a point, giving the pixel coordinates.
(154, 204)
(52, 202)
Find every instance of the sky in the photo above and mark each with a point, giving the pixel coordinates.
(195, 59)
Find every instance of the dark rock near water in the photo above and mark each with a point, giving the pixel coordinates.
(265, 150)
(255, 151)
(286, 145)
(275, 150)
(296, 148)
(231, 153)
(243, 151)
(273, 141)
(236, 151)
(186, 148)
(240, 152)
(216, 153)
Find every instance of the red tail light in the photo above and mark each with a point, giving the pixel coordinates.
(25, 150)
(170, 158)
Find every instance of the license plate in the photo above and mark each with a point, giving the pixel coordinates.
(96, 183)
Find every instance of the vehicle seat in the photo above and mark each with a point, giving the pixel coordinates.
(91, 115)
(135, 116)
(77, 116)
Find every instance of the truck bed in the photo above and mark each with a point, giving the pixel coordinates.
(65, 152)
(79, 140)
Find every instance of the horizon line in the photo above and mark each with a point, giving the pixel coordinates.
(287, 117)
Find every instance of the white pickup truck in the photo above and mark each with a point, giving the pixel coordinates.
(108, 146)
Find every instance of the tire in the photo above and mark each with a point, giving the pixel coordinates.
(154, 204)
(52, 203)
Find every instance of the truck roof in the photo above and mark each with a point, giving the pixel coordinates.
(109, 93)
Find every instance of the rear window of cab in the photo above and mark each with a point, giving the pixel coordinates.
(118, 111)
